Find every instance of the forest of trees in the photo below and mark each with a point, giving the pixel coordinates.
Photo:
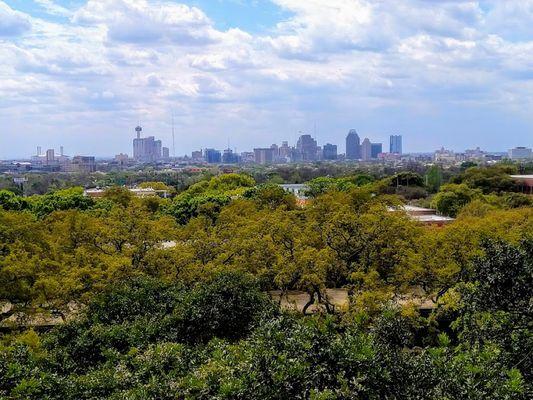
(172, 294)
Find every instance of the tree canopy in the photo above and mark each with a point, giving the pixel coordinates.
(190, 296)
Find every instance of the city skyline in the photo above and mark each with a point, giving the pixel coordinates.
(81, 73)
(151, 149)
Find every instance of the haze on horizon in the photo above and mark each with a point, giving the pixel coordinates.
(83, 74)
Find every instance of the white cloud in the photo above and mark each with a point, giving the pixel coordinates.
(119, 62)
(138, 21)
(511, 19)
(53, 8)
(12, 23)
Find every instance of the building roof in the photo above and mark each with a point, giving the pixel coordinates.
(424, 215)
(294, 186)
(409, 208)
(432, 218)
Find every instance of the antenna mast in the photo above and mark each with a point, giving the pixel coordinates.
(173, 139)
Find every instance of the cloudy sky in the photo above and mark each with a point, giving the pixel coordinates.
(83, 73)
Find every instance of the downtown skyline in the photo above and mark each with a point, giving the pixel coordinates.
(82, 73)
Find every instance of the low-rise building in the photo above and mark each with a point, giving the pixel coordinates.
(525, 182)
(137, 192)
(426, 216)
(85, 164)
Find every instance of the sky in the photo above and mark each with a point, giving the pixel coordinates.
(82, 74)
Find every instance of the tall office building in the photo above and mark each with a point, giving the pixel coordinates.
(307, 147)
(213, 156)
(229, 157)
(284, 150)
(366, 150)
(146, 149)
(353, 146)
(329, 152)
(395, 144)
(376, 148)
(50, 156)
(264, 155)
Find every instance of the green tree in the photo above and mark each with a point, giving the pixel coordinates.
(516, 200)
(119, 195)
(434, 178)
(271, 196)
(11, 202)
(406, 179)
(496, 300)
(488, 179)
(66, 199)
(452, 197)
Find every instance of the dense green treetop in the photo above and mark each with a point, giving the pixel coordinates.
(172, 293)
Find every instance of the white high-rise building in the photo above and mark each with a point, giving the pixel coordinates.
(146, 149)
(520, 153)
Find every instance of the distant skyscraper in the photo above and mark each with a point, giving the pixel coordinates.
(284, 150)
(307, 147)
(158, 149)
(50, 157)
(396, 144)
(366, 150)
(329, 152)
(146, 149)
(213, 156)
(229, 157)
(353, 146)
(376, 148)
(166, 153)
(264, 155)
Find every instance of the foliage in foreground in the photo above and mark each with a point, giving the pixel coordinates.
(223, 339)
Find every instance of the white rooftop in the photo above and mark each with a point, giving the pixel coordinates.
(432, 218)
(408, 208)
